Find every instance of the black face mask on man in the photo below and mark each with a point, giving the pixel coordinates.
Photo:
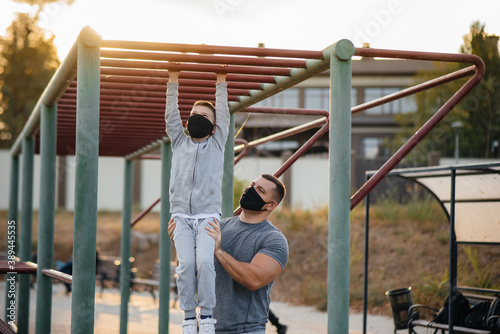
(251, 200)
(199, 126)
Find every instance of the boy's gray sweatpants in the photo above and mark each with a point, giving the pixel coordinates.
(196, 272)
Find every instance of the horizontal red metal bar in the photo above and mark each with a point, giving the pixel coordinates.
(415, 89)
(203, 59)
(212, 49)
(186, 75)
(417, 55)
(163, 88)
(182, 82)
(287, 111)
(186, 92)
(283, 134)
(20, 267)
(196, 67)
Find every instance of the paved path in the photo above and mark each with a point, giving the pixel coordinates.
(143, 315)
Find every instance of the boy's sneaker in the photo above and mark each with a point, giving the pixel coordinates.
(189, 326)
(207, 326)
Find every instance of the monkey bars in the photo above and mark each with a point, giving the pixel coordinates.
(108, 99)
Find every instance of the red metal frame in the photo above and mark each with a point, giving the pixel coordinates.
(478, 69)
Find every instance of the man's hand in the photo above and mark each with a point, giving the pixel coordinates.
(214, 232)
(173, 76)
(171, 228)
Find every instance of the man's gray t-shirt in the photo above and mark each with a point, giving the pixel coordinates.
(239, 310)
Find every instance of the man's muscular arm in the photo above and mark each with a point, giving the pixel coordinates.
(261, 271)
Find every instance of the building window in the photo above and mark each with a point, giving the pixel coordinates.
(289, 98)
(319, 98)
(373, 147)
(404, 105)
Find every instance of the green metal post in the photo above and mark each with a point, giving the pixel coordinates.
(128, 198)
(12, 244)
(28, 150)
(45, 252)
(165, 244)
(228, 177)
(339, 200)
(87, 154)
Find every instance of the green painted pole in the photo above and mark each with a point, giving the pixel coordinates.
(228, 177)
(87, 155)
(28, 151)
(165, 244)
(128, 202)
(45, 252)
(12, 243)
(339, 199)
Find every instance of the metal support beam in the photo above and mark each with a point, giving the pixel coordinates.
(339, 199)
(87, 153)
(228, 177)
(128, 195)
(45, 251)
(165, 244)
(12, 242)
(453, 251)
(28, 152)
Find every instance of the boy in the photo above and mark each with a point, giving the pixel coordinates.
(196, 197)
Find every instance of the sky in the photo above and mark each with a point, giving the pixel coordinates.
(419, 25)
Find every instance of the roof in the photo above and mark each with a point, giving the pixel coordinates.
(133, 87)
(476, 200)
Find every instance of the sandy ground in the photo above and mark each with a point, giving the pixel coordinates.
(143, 315)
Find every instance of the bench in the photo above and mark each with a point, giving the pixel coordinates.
(471, 297)
(444, 327)
(108, 272)
(153, 281)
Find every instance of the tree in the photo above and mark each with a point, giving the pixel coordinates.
(479, 112)
(482, 107)
(27, 62)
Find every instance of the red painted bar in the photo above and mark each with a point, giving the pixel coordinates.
(212, 49)
(203, 59)
(182, 82)
(415, 89)
(283, 134)
(145, 212)
(19, 267)
(418, 55)
(244, 152)
(185, 75)
(431, 123)
(196, 67)
(287, 111)
(301, 151)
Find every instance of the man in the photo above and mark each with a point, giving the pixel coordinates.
(250, 254)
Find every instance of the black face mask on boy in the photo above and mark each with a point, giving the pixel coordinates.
(199, 126)
(251, 200)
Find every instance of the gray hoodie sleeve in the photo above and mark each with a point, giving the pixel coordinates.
(222, 114)
(173, 120)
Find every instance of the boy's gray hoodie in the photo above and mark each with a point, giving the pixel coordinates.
(197, 168)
